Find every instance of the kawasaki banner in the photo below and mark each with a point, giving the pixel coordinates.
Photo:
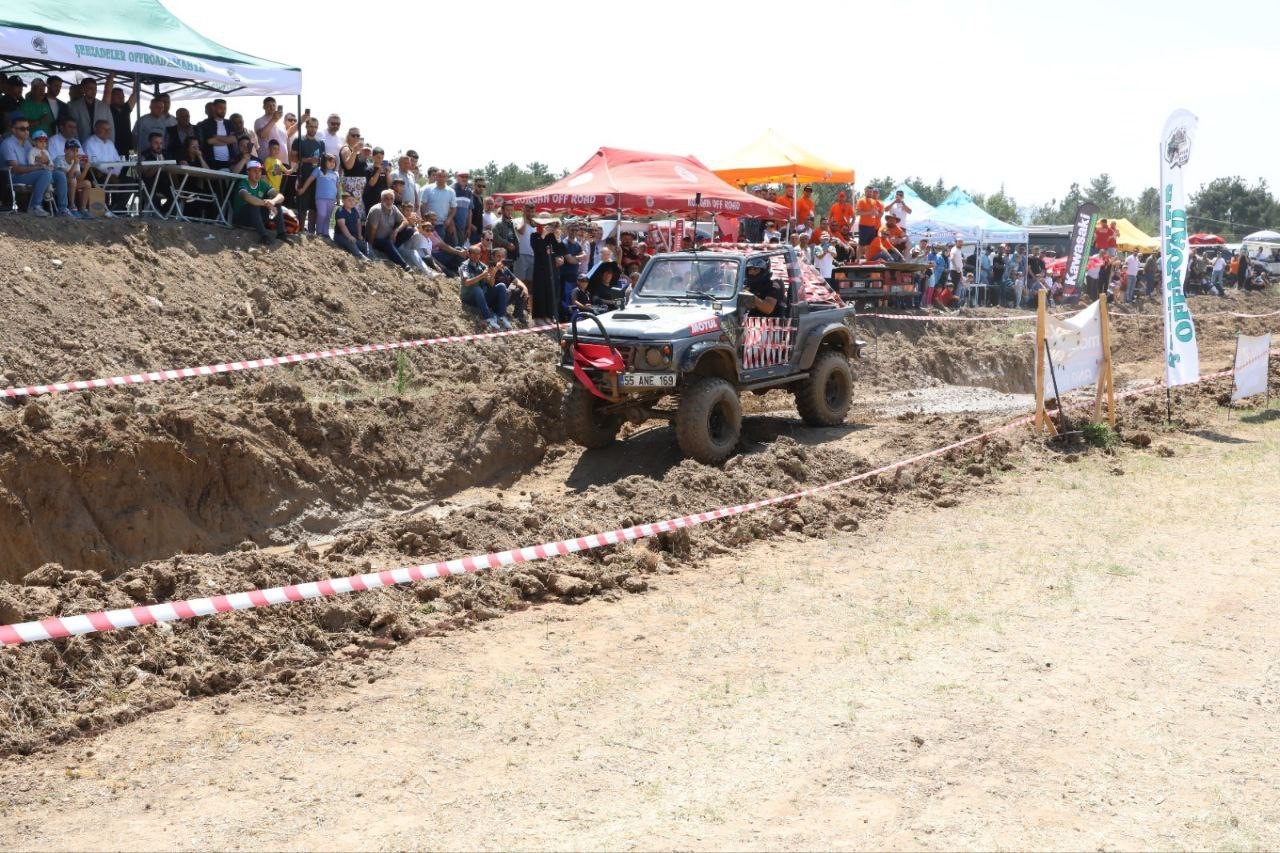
(91, 53)
(1081, 245)
(1182, 356)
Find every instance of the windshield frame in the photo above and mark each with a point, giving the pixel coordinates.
(691, 259)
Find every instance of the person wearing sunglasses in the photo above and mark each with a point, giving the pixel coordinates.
(29, 169)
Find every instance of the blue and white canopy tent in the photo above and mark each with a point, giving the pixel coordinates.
(958, 216)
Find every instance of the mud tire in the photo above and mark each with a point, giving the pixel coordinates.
(709, 420)
(584, 423)
(824, 398)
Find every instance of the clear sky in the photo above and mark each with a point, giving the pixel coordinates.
(1033, 95)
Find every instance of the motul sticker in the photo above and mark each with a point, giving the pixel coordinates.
(711, 324)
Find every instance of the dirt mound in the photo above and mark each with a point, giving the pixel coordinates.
(103, 481)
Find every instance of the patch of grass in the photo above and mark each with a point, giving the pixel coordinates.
(1100, 435)
(404, 373)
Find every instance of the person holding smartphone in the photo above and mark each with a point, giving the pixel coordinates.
(270, 125)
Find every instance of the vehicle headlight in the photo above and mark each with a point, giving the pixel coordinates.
(653, 357)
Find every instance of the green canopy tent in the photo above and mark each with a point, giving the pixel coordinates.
(139, 39)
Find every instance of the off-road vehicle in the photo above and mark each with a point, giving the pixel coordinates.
(686, 331)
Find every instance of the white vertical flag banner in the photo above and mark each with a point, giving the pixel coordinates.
(1252, 354)
(1181, 352)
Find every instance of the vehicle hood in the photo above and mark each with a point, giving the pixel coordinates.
(665, 321)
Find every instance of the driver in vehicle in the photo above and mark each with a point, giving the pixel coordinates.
(760, 284)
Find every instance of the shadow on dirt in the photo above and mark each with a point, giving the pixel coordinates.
(652, 452)
(1219, 438)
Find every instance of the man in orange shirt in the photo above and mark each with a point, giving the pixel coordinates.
(841, 214)
(879, 249)
(787, 200)
(804, 205)
(870, 213)
(895, 234)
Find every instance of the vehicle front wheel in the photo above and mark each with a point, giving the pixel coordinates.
(709, 420)
(824, 398)
(584, 422)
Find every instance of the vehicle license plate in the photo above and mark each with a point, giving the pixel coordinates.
(648, 380)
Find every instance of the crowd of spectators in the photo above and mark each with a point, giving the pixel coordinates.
(437, 223)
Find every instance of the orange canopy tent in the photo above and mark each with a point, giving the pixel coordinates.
(771, 159)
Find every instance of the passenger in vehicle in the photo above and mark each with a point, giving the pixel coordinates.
(768, 293)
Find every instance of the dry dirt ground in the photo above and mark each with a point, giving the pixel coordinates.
(949, 678)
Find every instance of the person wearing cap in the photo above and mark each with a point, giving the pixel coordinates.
(32, 166)
(480, 290)
(870, 213)
(35, 106)
(895, 234)
(10, 102)
(255, 202)
(804, 205)
(75, 166)
(39, 153)
(577, 298)
(840, 216)
(463, 198)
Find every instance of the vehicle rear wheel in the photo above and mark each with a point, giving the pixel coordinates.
(824, 398)
(584, 422)
(709, 420)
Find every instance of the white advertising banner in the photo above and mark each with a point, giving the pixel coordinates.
(79, 52)
(1075, 348)
(1181, 352)
(1253, 353)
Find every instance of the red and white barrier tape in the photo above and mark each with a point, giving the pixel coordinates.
(252, 364)
(57, 627)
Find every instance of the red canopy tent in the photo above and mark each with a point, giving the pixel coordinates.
(615, 182)
(1205, 240)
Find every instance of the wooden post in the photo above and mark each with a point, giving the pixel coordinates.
(1106, 363)
(1042, 420)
